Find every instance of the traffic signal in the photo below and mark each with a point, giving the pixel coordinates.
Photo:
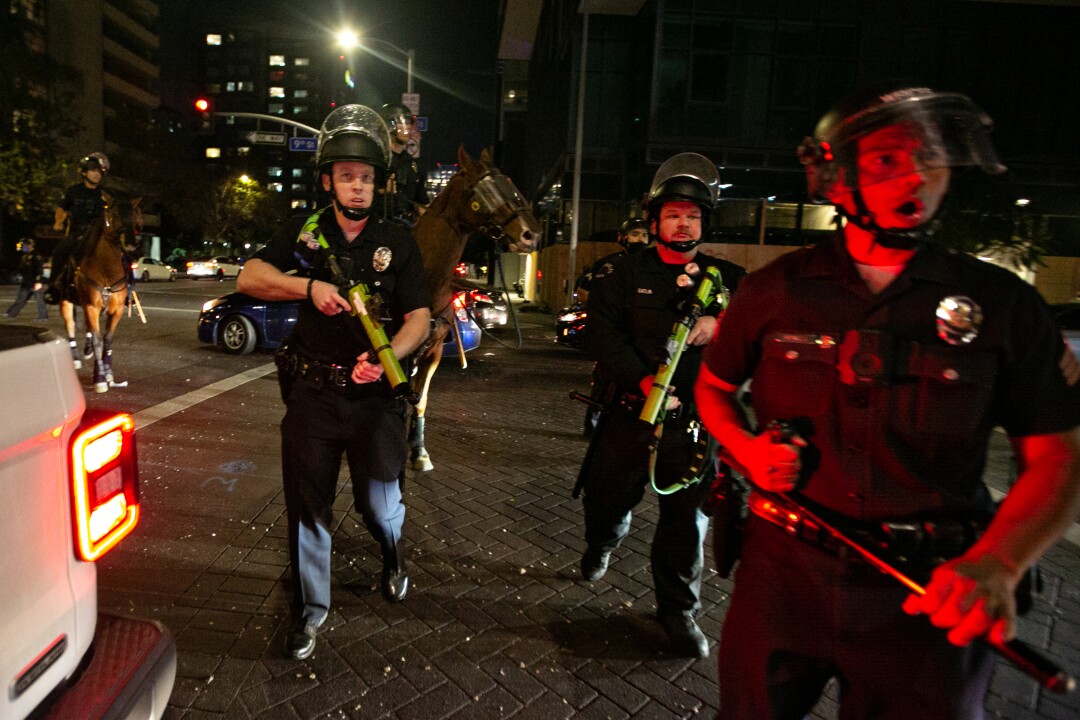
(204, 107)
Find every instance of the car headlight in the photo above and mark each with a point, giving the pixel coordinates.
(570, 317)
(211, 304)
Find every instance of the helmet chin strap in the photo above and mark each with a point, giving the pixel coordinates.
(681, 246)
(889, 238)
(354, 214)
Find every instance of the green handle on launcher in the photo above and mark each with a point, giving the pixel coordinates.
(360, 297)
(655, 405)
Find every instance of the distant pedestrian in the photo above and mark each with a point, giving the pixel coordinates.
(31, 267)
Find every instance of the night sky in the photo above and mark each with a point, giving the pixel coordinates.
(455, 45)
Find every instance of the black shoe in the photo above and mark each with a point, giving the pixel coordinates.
(395, 580)
(686, 637)
(594, 563)
(300, 642)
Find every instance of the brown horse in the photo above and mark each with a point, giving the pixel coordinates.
(100, 288)
(478, 199)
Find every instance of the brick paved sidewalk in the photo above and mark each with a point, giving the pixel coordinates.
(497, 623)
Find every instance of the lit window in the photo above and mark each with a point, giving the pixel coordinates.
(299, 109)
(299, 188)
(300, 61)
(299, 204)
(299, 93)
(274, 171)
(277, 92)
(243, 150)
(213, 39)
(275, 187)
(275, 109)
(298, 172)
(214, 88)
(213, 152)
(277, 60)
(245, 86)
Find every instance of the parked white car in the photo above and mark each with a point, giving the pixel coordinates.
(148, 268)
(220, 267)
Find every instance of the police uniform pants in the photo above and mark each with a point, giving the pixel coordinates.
(616, 482)
(321, 424)
(24, 294)
(800, 616)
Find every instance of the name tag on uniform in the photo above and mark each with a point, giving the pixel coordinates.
(644, 291)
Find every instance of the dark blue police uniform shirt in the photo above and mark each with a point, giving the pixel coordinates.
(917, 444)
(339, 339)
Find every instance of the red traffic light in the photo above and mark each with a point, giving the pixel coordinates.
(202, 104)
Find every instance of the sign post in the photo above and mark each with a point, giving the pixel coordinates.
(259, 137)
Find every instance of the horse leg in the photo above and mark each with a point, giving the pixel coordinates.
(418, 453)
(113, 315)
(67, 311)
(101, 383)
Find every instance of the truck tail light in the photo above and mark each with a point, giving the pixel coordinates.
(105, 484)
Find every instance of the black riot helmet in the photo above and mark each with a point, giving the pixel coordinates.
(628, 226)
(398, 118)
(954, 132)
(353, 133)
(686, 177)
(94, 161)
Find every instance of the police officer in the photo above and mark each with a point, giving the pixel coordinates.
(407, 178)
(336, 400)
(82, 203)
(893, 358)
(30, 270)
(632, 311)
(633, 237)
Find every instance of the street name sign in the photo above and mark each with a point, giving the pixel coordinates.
(303, 144)
(265, 138)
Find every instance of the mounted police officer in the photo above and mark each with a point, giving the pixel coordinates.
(892, 359)
(336, 400)
(407, 178)
(633, 307)
(82, 203)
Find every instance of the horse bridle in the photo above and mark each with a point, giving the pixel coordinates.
(497, 197)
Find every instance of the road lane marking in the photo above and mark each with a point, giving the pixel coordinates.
(151, 415)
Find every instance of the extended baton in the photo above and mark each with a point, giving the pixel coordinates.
(1028, 660)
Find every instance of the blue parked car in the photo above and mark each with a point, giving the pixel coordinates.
(239, 323)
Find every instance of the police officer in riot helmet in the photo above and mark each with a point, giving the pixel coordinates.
(633, 237)
(331, 380)
(890, 359)
(81, 204)
(633, 307)
(406, 190)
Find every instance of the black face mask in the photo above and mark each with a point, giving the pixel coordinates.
(635, 247)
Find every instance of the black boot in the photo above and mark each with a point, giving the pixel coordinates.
(395, 581)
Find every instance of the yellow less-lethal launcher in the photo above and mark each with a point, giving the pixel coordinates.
(710, 287)
(359, 296)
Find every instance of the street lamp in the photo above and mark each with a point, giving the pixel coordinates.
(348, 39)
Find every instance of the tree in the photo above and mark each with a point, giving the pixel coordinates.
(35, 121)
(243, 210)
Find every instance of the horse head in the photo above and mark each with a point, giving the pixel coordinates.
(495, 207)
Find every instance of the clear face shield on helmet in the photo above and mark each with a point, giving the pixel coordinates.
(691, 166)
(910, 131)
(354, 119)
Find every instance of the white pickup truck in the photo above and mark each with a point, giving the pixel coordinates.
(69, 492)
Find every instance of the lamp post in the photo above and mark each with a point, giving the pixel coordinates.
(348, 39)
